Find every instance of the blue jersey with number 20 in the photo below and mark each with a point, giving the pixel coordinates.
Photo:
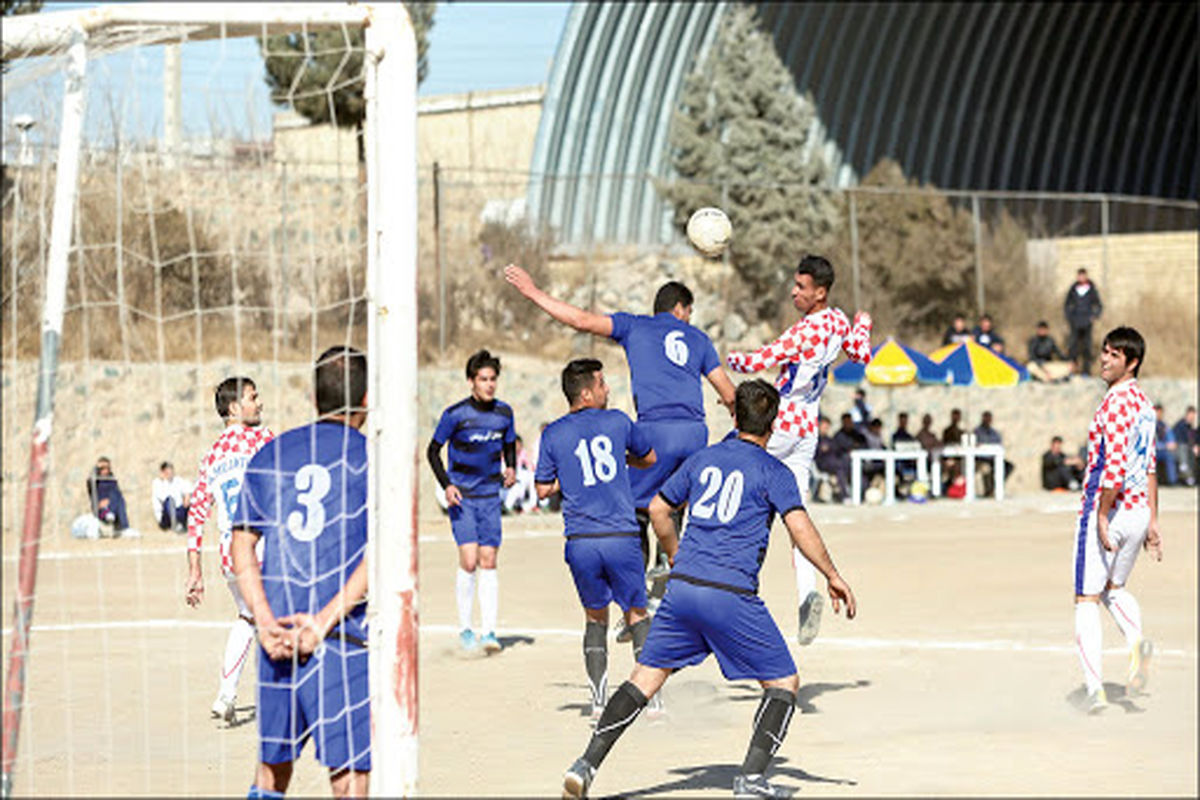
(733, 489)
(306, 494)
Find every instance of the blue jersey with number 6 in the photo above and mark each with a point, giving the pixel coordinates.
(667, 358)
(586, 450)
(733, 490)
(305, 493)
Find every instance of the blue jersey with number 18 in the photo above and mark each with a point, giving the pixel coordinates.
(585, 450)
(305, 493)
(733, 490)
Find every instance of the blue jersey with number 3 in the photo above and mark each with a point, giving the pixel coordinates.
(733, 490)
(667, 358)
(586, 450)
(305, 493)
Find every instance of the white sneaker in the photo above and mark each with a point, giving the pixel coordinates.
(129, 533)
(809, 618)
(1096, 702)
(577, 779)
(223, 708)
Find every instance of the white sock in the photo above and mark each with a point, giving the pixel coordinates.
(237, 653)
(489, 599)
(1126, 612)
(1087, 643)
(464, 593)
(806, 575)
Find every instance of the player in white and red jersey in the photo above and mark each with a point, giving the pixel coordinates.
(220, 482)
(804, 354)
(1118, 516)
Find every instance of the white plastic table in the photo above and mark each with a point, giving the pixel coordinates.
(969, 454)
(889, 459)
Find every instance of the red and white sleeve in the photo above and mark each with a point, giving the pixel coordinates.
(199, 508)
(858, 344)
(782, 349)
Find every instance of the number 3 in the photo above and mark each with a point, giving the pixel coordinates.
(313, 483)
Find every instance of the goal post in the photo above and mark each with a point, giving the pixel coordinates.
(60, 44)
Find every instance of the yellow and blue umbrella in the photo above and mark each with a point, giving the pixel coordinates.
(892, 364)
(971, 363)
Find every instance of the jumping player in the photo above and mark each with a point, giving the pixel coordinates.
(805, 352)
(667, 357)
(734, 489)
(1119, 514)
(480, 430)
(585, 453)
(220, 481)
(304, 503)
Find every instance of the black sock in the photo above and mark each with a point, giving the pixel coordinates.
(638, 631)
(770, 726)
(622, 709)
(643, 521)
(595, 659)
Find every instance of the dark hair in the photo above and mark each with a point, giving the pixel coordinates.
(755, 403)
(671, 294)
(1043, 324)
(1129, 342)
(875, 423)
(988, 317)
(578, 375)
(230, 391)
(165, 465)
(480, 360)
(1056, 439)
(340, 380)
(819, 268)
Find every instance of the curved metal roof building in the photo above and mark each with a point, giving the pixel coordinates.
(1066, 97)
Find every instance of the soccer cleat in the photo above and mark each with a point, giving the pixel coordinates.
(577, 779)
(1096, 702)
(656, 578)
(624, 634)
(223, 708)
(656, 710)
(490, 643)
(810, 618)
(756, 786)
(467, 640)
(1139, 668)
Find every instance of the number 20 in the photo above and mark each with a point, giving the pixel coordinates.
(728, 501)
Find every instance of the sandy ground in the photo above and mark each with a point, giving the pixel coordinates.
(958, 677)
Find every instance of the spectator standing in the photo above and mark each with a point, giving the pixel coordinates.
(1060, 472)
(957, 332)
(1046, 362)
(1186, 447)
(170, 497)
(860, 411)
(986, 434)
(107, 500)
(986, 335)
(1082, 307)
(1165, 449)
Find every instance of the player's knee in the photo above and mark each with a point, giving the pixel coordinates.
(790, 684)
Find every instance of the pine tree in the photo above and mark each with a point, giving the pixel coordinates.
(742, 139)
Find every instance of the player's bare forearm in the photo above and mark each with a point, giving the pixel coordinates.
(724, 386)
(1108, 496)
(641, 462)
(804, 535)
(249, 578)
(544, 490)
(311, 629)
(559, 310)
(664, 527)
(194, 590)
(1153, 541)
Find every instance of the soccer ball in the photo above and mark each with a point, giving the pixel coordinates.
(709, 231)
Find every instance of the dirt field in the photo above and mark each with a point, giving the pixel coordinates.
(958, 677)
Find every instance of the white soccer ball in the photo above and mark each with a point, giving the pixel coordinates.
(709, 231)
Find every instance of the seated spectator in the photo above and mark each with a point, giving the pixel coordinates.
(107, 501)
(874, 434)
(1060, 472)
(906, 471)
(170, 496)
(986, 434)
(1046, 362)
(984, 334)
(860, 411)
(831, 460)
(901, 433)
(957, 332)
(850, 438)
(928, 439)
(1165, 449)
(1186, 448)
(952, 434)
(522, 496)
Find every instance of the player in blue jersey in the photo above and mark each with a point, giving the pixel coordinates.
(479, 430)
(667, 358)
(734, 489)
(305, 495)
(584, 453)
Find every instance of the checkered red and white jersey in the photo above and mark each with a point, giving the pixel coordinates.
(220, 481)
(806, 351)
(1121, 448)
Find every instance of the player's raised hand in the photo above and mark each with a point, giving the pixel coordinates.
(862, 318)
(519, 278)
(839, 592)
(194, 589)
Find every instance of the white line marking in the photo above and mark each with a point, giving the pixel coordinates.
(993, 645)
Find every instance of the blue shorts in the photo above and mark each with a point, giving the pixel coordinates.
(326, 698)
(476, 520)
(607, 568)
(673, 442)
(694, 621)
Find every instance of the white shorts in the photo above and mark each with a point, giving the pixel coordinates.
(797, 454)
(1095, 566)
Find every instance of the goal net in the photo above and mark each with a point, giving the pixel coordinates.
(191, 192)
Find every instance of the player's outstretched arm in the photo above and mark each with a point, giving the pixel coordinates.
(724, 386)
(858, 343)
(271, 634)
(664, 527)
(560, 310)
(805, 536)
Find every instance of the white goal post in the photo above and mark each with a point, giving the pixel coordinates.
(63, 41)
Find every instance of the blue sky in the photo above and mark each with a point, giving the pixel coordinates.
(473, 46)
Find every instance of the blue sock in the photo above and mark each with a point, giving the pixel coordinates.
(263, 794)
